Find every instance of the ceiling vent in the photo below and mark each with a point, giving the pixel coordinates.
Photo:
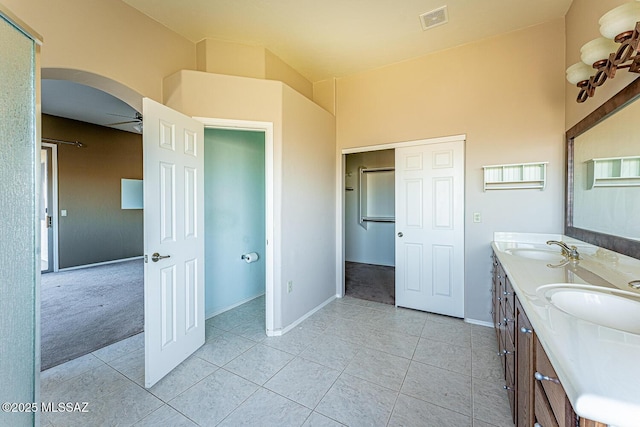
(434, 18)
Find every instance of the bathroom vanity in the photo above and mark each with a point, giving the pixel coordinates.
(568, 332)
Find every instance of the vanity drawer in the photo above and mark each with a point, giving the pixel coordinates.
(543, 412)
(552, 389)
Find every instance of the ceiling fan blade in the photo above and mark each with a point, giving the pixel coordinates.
(122, 123)
(119, 115)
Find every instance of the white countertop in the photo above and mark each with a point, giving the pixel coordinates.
(599, 367)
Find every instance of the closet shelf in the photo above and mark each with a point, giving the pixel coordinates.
(613, 172)
(378, 219)
(515, 176)
(376, 195)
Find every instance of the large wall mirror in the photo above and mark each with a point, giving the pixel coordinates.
(603, 175)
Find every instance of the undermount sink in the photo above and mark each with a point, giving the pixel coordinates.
(548, 255)
(612, 308)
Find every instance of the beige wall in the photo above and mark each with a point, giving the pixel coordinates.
(277, 69)
(582, 26)
(507, 95)
(234, 59)
(308, 205)
(324, 94)
(95, 229)
(304, 176)
(108, 38)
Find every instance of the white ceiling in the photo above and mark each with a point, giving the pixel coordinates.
(319, 38)
(336, 38)
(79, 102)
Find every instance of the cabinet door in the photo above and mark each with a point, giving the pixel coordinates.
(524, 368)
(553, 390)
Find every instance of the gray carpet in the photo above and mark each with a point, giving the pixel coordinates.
(87, 309)
(370, 282)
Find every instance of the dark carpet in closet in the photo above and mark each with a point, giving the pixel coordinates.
(370, 282)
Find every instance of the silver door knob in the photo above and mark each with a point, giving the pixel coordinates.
(400, 234)
(541, 377)
(157, 257)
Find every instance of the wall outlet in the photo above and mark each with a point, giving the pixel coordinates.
(290, 286)
(477, 217)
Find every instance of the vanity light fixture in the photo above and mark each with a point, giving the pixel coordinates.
(617, 49)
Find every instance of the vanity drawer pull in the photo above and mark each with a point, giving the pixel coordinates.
(525, 330)
(507, 293)
(506, 321)
(541, 377)
(506, 387)
(504, 353)
(537, 425)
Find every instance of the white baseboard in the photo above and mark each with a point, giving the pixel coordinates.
(115, 261)
(222, 310)
(479, 322)
(281, 332)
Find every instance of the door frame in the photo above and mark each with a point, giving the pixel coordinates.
(272, 257)
(54, 203)
(340, 193)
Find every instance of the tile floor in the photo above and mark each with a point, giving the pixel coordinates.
(354, 363)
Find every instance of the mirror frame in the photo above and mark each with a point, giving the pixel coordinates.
(615, 243)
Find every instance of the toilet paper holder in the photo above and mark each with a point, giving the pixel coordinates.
(250, 257)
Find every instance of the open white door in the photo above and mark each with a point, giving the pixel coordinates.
(173, 239)
(430, 227)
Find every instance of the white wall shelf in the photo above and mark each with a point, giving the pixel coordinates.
(515, 176)
(613, 172)
(376, 202)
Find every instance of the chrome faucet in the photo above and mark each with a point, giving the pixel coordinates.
(571, 252)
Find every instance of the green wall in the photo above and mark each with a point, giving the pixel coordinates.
(234, 216)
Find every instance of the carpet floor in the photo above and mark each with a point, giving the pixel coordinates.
(370, 282)
(87, 309)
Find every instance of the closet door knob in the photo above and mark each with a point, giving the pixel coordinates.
(400, 234)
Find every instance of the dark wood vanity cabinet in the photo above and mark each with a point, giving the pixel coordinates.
(551, 405)
(535, 394)
(503, 314)
(525, 368)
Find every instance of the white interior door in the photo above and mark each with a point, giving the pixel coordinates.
(46, 211)
(173, 238)
(430, 228)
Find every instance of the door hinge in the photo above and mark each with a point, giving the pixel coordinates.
(146, 259)
(49, 221)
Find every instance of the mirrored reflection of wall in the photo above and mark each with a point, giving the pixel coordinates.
(96, 229)
(611, 208)
(374, 244)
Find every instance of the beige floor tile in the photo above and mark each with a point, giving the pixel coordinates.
(351, 363)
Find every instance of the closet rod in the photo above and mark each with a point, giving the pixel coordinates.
(60, 141)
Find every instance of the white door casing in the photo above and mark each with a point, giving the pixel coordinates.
(430, 228)
(173, 156)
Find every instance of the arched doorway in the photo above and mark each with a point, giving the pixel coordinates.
(94, 297)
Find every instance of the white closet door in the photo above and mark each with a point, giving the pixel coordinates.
(430, 228)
